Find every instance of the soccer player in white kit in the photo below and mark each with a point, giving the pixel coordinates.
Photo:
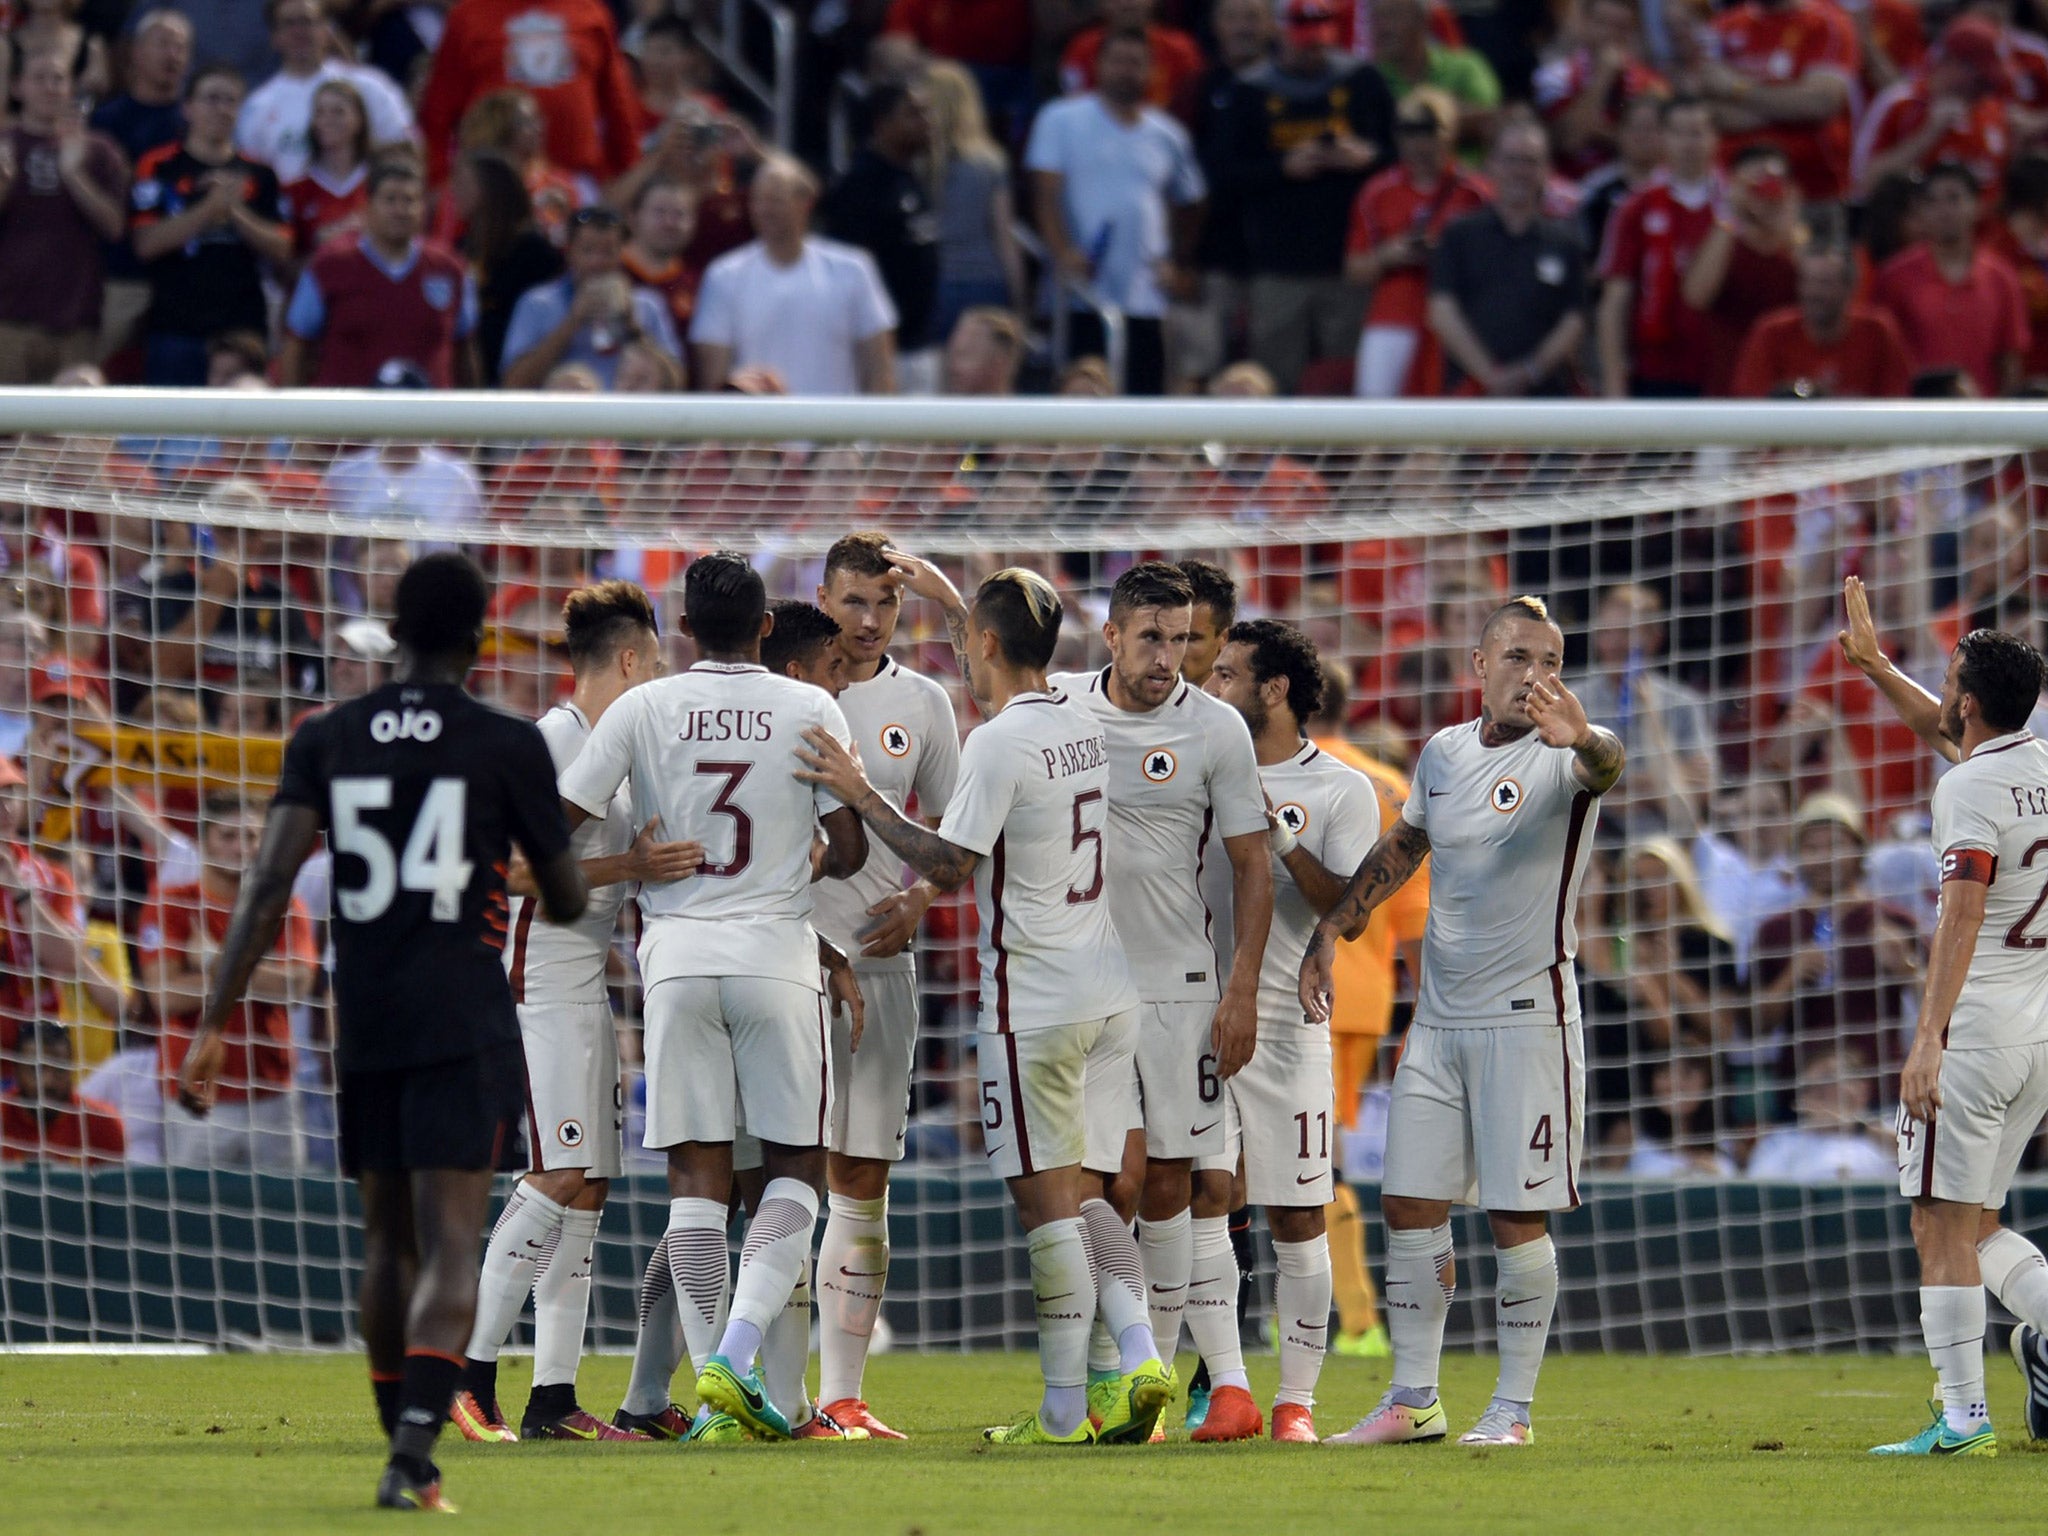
(735, 1018)
(546, 1236)
(1182, 776)
(1488, 1102)
(1058, 1012)
(1975, 1084)
(1283, 1104)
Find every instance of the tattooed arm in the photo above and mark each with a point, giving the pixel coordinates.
(1561, 722)
(1396, 856)
(923, 579)
(826, 761)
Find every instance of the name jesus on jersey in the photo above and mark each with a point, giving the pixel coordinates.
(727, 725)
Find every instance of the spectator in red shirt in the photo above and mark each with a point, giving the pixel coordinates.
(1785, 76)
(1743, 269)
(1583, 94)
(2025, 53)
(328, 200)
(565, 53)
(252, 1124)
(1829, 345)
(1176, 60)
(1953, 109)
(1394, 226)
(42, 1118)
(1652, 343)
(1957, 304)
(991, 37)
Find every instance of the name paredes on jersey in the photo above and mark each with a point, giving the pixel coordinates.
(728, 725)
(1072, 757)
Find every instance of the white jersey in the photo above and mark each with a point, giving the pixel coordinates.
(1033, 802)
(1331, 809)
(1510, 835)
(712, 751)
(909, 742)
(1181, 778)
(564, 962)
(1995, 802)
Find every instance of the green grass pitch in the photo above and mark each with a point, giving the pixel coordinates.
(286, 1443)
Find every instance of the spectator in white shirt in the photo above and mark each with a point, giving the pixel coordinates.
(811, 309)
(1838, 1137)
(132, 1082)
(1742, 858)
(404, 480)
(274, 128)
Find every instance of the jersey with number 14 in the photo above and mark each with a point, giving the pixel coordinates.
(712, 752)
(422, 792)
(1991, 826)
(1032, 801)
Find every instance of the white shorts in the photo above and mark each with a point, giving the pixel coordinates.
(1182, 1098)
(1992, 1103)
(715, 1043)
(871, 1102)
(1054, 1098)
(1489, 1117)
(575, 1108)
(1282, 1116)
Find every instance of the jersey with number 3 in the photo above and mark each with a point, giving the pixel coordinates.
(422, 792)
(712, 752)
(1032, 800)
(1991, 826)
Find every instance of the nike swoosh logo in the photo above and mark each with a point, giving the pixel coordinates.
(1049, 1300)
(858, 1274)
(1168, 1290)
(1435, 792)
(1306, 1178)
(1310, 1327)
(1537, 1183)
(1203, 1130)
(1519, 1302)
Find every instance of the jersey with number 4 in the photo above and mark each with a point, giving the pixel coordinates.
(1182, 778)
(565, 962)
(1510, 835)
(422, 792)
(1991, 826)
(1033, 802)
(712, 752)
(1334, 815)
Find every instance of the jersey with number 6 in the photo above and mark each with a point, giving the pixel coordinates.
(1991, 826)
(1033, 802)
(422, 792)
(1333, 813)
(712, 752)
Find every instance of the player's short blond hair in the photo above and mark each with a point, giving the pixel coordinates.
(1526, 606)
(1022, 609)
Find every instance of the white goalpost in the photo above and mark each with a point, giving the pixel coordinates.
(187, 574)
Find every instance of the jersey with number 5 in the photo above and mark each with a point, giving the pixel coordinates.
(1991, 826)
(422, 792)
(712, 752)
(1032, 800)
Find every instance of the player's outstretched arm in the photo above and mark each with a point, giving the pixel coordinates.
(1561, 722)
(1955, 940)
(1397, 855)
(1913, 704)
(289, 832)
(826, 761)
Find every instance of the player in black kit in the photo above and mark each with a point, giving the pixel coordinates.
(422, 792)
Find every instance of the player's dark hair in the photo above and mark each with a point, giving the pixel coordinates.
(392, 168)
(724, 600)
(223, 805)
(1150, 584)
(1525, 607)
(859, 554)
(440, 605)
(2003, 674)
(215, 71)
(1021, 609)
(800, 628)
(599, 621)
(1281, 650)
(1213, 589)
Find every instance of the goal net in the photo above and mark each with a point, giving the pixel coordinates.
(189, 575)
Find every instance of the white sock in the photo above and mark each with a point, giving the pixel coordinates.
(771, 1262)
(1167, 1249)
(853, 1268)
(528, 1229)
(786, 1352)
(1211, 1313)
(1952, 1323)
(1417, 1302)
(658, 1347)
(2016, 1273)
(1301, 1296)
(700, 1264)
(1104, 1358)
(1063, 1293)
(1119, 1283)
(1525, 1300)
(561, 1300)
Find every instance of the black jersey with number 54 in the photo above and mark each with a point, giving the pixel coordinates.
(422, 792)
